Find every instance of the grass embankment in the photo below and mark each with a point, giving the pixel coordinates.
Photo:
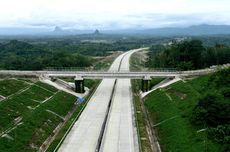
(30, 116)
(137, 64)
(143, 137)
(171, 109)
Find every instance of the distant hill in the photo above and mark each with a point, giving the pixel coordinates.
(203, 29)
(58, 29)
(196, 30)
(192, 30)
(96, 32)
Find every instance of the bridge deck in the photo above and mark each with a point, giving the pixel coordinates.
(126, 74)
(109, 74)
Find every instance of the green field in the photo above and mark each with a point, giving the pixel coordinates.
(30, 114)
(170, 110)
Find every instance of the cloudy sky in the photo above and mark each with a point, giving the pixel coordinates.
(112, 14)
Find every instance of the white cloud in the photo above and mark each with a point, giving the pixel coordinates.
(104, 13)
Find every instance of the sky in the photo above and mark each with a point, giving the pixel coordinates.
(113, 14)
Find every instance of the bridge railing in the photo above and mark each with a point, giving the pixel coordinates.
(81, 69)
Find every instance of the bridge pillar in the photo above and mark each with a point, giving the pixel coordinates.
(79, 84)
(145, 84)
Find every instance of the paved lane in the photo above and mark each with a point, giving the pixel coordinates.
(120, 133)
(84, 135)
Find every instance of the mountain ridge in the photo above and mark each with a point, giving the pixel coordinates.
(203, 29)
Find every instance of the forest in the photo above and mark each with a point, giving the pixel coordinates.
(17, 55)
(21, 55)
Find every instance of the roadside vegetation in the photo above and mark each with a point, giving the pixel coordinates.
(141, 120)
(193, 115)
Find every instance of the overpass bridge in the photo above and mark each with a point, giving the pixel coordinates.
(145, 77)
(107, 74)
(111, 75)
(80, 76)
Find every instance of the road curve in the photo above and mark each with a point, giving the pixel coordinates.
(84, 135)
(120, 134)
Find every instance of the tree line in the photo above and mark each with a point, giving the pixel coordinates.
(187, 55)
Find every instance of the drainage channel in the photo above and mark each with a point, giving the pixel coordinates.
(107, 112)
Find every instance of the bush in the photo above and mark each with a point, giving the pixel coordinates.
(211, 110)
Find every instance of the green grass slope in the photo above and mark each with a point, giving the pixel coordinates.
(171, 109)
(28, 117)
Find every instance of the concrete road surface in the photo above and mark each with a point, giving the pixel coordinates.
(84, 135)
(120, 133)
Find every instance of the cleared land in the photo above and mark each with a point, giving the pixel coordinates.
(30, 113)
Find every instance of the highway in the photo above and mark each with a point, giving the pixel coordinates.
(85, 134)
(107, 123)
(120, 133)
